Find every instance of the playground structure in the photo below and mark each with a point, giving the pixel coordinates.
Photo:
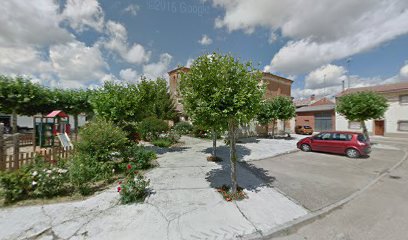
(47, 128)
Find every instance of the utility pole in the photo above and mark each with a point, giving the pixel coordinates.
(348, 68)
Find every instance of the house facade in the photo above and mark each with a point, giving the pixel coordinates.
(395, 121)
(275, 86)
(318, 114)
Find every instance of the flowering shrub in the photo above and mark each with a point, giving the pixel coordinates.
(134, 187)
(49, 182)
(229, 196)
(183, 128)
(39, 179)
(139, 156)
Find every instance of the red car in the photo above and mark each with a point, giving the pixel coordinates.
(352, 144)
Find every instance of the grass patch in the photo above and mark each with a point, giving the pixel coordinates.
(162, 142)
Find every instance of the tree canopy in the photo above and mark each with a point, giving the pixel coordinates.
(362, 106)
(222, 91)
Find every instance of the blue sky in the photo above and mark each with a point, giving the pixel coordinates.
(319, 44)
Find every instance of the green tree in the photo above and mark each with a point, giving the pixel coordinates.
(362, 106)
(267, 113)
(118, 103)
(19, 95)
(284, 108)
(222, 89)
(156, 98)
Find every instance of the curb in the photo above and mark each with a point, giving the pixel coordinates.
(293, 225)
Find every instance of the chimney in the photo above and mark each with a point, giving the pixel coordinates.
(312, 97)
(343, 86)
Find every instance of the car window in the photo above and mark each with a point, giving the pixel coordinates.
(341, 137)
(361, 138)
(323, 136)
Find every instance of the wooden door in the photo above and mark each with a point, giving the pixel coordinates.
(379, 127)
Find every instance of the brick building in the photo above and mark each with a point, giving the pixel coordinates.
(318, 114)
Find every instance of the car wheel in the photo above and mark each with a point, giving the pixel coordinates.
(305, 147)
(352, 153)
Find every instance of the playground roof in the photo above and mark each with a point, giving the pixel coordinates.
(57, 113)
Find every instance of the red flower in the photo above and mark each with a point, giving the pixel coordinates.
(129, 166)
(119, 188)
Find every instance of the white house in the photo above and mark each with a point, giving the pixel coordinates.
(395, 121)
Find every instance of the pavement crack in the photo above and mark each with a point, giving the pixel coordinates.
(246, 218)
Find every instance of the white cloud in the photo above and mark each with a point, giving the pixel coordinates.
(78, 65)
(30, 22)
(316, 83)
(272, 38)
(132, 9)
(83, 15)
(158, 69)
(189, 62)
(326, 76)
(129, 75)
(205, 40)
(118, 42)
(322, 31)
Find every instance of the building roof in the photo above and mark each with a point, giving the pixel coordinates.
(318, 108)
(58, 113)
(178, 69)
(395, 87)
(302, 102)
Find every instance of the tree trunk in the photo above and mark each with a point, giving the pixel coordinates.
(233, 156)
(273, 128)
(76, 126)
(266, 130)
(284, 127)
(365, 132)
(14, 121)
(214, 150)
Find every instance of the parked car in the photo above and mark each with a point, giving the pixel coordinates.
(301, 129)
(352, 144)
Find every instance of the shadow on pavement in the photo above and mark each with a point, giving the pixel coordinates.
(160, 150)
(249, 176)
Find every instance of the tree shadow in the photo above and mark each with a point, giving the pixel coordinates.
(160, 150)
(249, 176)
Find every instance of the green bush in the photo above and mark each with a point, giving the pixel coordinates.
(150, 128)
(85, 169)
(162, 142)
(139, 156)
(39, 179)
(134, 186)
(16, 185)
(100, 138)
(201, 133)
(183, 128)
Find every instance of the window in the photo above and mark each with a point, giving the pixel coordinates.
(403, 125)
(341, 137)
(323, 136)
(404, 99)
(354, 125)
(361, 138)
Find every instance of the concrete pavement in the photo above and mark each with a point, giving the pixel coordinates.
(183, 205)
(376, 213)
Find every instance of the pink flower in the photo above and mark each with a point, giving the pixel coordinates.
(119, 188)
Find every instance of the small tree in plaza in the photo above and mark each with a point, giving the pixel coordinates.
(267, 114)
(223, 92)
(284, 108)
(362, 106)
